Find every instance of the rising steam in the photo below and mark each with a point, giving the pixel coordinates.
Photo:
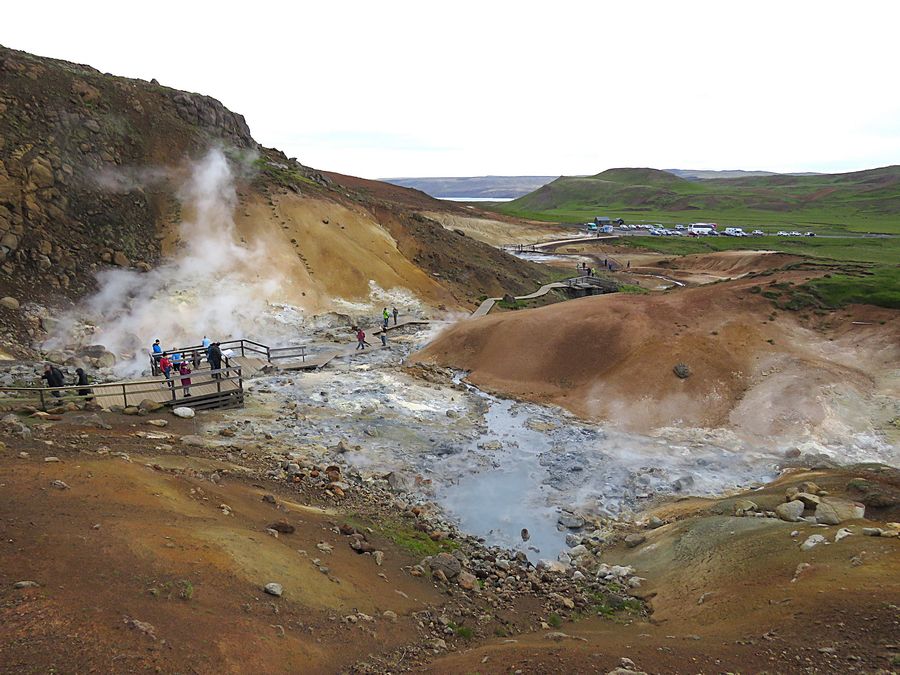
(213, 285)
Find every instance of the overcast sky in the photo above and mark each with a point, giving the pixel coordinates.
(431, 88)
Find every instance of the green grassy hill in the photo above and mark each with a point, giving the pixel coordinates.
(861, 201)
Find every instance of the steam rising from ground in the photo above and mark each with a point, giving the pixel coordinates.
(213, 286)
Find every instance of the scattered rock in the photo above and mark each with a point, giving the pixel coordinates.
(467, 580)
(270, 499)
(274, 589)
(59, 485)
(841, 534)
(9, 303)
(282, 527)
(149, 405)
(654, 522)
(158, 423)
(570, 520)
(51, 458)
(390, 616)
(742, 506)
(833, 511)
(682, 371)
(810, 501)
(447, 564)
(26, 584)
(635, 539)
(812, 541)
(142, 627)
(379, 557)
(872, 531)
(184, 413)
(790, 511)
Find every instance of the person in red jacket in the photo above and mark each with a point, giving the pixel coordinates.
(361, 339)
(184, 370)
(165, 365)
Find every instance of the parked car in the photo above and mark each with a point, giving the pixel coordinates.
(810, 234)
(758, 233)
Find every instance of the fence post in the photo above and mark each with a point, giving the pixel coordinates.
(242, 348)
(124, 396)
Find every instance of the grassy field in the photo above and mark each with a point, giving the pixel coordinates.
(864, 201)
(883, 250)
(871, 276)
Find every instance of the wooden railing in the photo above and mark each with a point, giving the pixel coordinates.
(243, 346)
(132, 392)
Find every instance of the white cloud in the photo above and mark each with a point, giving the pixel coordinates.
(462, 88)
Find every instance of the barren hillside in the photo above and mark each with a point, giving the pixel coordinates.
(91, 166)
(751, 369)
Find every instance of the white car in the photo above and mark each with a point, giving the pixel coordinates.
(758, 233)
(782, 233)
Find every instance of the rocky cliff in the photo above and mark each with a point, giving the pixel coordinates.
(70, 136)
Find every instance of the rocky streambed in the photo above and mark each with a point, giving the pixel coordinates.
(518, 475)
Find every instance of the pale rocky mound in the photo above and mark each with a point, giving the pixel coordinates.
(613, 358)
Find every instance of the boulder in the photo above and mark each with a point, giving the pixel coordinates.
(635, 539)
(9, 303)
(149, 405)
(467, 580)
(742, 506)
(790, 511)
(810, 487)
(446, 563)
(183, 412)
(570, 520)
(811, 501)
(274, 589)
(833, 511)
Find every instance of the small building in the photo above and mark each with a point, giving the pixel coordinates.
(602, 220)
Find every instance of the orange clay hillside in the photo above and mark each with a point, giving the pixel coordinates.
(612, 358)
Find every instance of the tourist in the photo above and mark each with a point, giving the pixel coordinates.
(384, 316)
(176, 360)
(81, 379)
(195, 359)
(157, 350)
(396, 314)
(215, 358)
(54, 378)
(383, 337)
(360, 339)
(629, 264)
(165, 365)
(205, 342)
(185, 370)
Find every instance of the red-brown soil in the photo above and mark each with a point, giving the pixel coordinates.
(752, 368)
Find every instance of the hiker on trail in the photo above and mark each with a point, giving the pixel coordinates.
(157, 350)
(185, 369)
(54, 378)
(165, 365)
(629, 264)
(176, 360)
(205, 342)
(360, 339)
(81, 379)
(383, 336)
(396, 314)
(195, 359)
(385, 316)
(215, 358)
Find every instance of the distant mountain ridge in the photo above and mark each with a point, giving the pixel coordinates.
(474, 187)
(706, 174)
(869, 200)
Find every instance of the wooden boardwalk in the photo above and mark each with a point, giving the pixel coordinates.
(159, 390)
